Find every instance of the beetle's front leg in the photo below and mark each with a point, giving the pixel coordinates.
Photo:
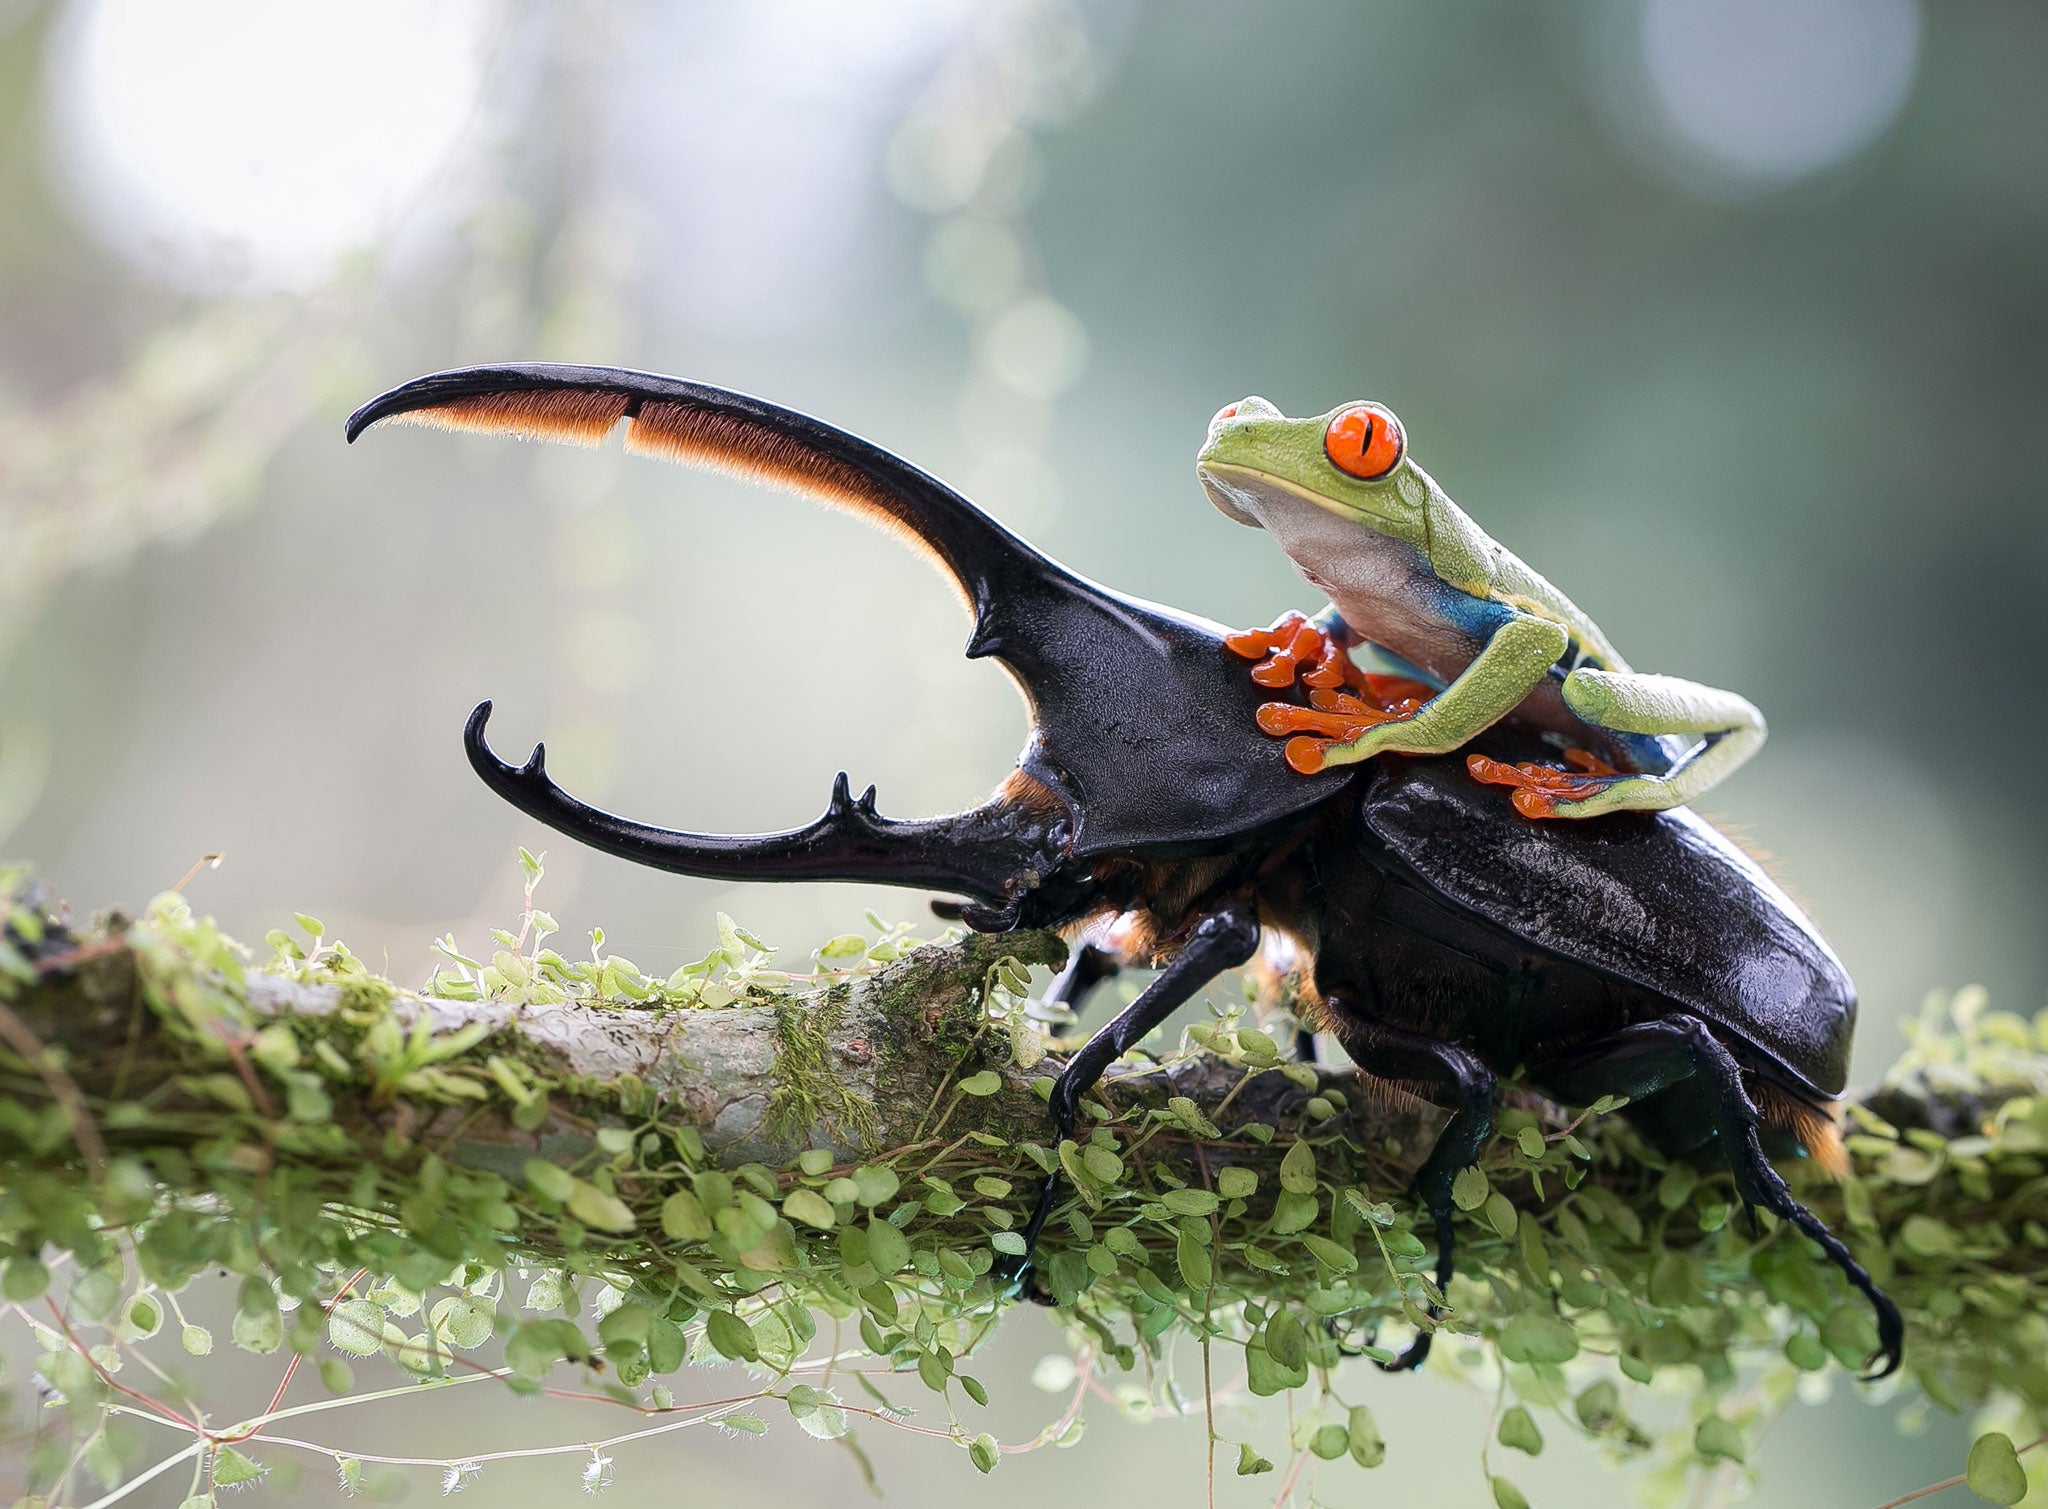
(1392, 1053)
(1222, 940)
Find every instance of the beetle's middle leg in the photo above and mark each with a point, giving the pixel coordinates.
(1392, 1053)
(1222, 940)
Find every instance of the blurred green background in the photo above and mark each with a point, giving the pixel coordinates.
(1728, 316)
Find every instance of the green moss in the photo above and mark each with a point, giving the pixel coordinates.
(807, 1092)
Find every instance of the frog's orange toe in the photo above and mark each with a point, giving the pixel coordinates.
(1539, 788)
(1305, 753)
(1277, 672)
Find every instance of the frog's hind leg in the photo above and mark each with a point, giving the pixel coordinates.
(1729, 727)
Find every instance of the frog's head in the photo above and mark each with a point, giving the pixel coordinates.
(1352, 461)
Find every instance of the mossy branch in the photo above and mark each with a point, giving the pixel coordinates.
(738, 1146)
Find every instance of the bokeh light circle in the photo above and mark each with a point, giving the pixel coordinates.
(1762, 92)
(237, 143)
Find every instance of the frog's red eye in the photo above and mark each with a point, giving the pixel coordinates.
(1228, 411)
(1365, 441)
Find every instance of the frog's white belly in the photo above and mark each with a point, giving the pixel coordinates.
(1388, 594)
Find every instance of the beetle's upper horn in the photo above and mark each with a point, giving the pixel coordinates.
(720, 430)
(995, 853)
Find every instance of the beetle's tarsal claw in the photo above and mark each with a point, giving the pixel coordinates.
(537, 762)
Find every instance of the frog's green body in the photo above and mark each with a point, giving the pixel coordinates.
(1409, 571)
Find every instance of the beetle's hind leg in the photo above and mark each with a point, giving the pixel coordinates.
(1654, 1055)
(1391, 1053)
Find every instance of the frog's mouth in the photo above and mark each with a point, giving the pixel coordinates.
(1249, 495)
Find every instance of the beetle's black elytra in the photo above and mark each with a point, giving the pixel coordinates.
(1449, 942)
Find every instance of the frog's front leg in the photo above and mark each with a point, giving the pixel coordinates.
(1517, 655)
(1730, 727)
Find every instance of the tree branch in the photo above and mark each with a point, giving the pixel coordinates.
(871, 1136)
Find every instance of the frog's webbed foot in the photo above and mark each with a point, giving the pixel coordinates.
(1546, 791)
(1344, 702)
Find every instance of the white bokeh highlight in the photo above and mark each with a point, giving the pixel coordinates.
(236, 144)
(1757, 93)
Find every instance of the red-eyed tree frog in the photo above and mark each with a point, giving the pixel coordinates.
(1407, 570)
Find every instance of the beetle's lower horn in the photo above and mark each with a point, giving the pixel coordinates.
(993, 854)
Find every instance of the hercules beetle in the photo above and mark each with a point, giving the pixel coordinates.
(1449, 942)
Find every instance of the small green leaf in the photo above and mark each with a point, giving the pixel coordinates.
(1010, 1243)
(1293, 1212)
(1368, 1449)
(1993, 1471)
(1238, 1184)
(1298, 1170)
(1716, 1437)
(231, 1467)
(987, 1082)
(464, 1320)
(1336, 1258)
(1249, 1462)
(1507, 1496)
(1924, 1236)
(93, 1294)
(356, 1326)
(24, 1279)
(1599, 1406)
(1470, 1189)
(845, 946)
(1530, 1142)
(811, 1208)
(683, 1218)
(873, 1186)
(1265, 1374)
(593, 1207)
(1330, 1442)
(1804, 1351)
(199, 1341)
(1190, 1202)
(733, 1337)
(1534, 1337)
(1677, 1185)
(984, 1452)
(1501, 1214)
(545, 1178)
(1196, 1269)
(1104, 1166)
(888, 1251)
(1287, 1340)
(1518, 1432)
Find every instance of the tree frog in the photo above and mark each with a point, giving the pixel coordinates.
(1406, 570)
